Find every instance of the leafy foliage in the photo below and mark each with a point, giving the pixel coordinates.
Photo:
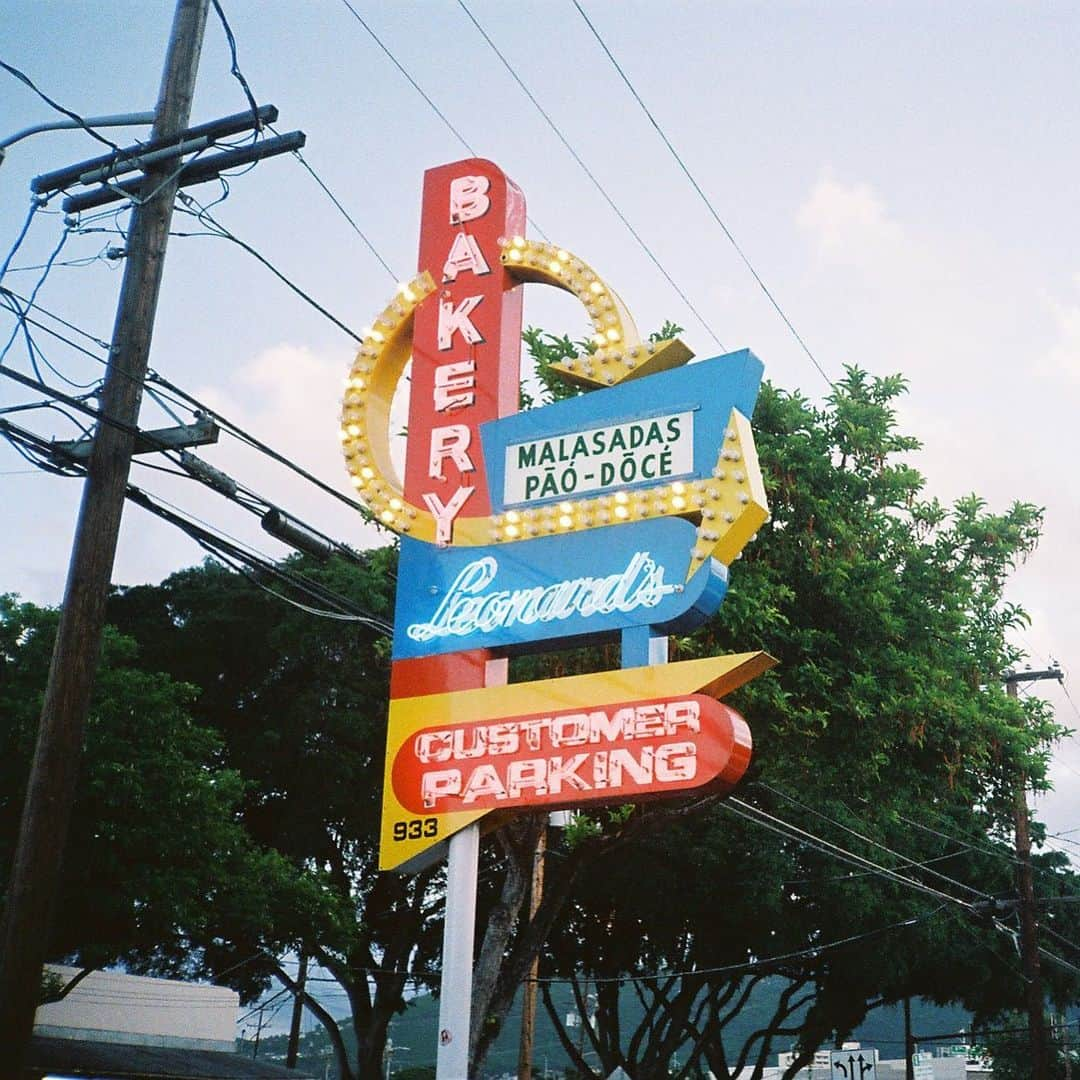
(885, 718)
(230, 800)
(1009, 1047)
(154, 841)
(300, 706)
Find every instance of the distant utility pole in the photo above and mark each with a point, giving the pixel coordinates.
(528, 994)
(36, 869)
(1029, 927)
(909, 1042)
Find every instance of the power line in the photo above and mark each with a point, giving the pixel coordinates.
(588, 172)
(234, 70)
(26, 80)
(84, 260)
(346, 215)
(182, 399)
(908, 862)
(243, 436)
(427, 97)
(412, 82)
(20, 323)
(851, 876)
(1069, 697)
(1004, 853)
(757, 965)
(762, 818)
(35, 205)
(204, 217)
(790, 831)
(215, 542)
(704, 198)
(100, 342)
(1059, 937)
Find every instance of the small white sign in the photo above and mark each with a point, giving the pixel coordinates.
(600, 459)
(852, 1065)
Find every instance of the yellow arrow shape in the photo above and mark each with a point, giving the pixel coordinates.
(728, 508)
(620, 353)
(714, 675)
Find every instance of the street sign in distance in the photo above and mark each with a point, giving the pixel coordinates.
(852, 1065)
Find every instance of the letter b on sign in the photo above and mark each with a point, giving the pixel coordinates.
(468, 198)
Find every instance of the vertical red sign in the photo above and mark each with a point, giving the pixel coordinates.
(466, 370)
(466, 337)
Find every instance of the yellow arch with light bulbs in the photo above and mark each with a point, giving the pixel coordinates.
(728, 507)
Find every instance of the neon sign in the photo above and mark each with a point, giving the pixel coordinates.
(619, 752)
(584, 519)
(614, 736)
(467, 609)
(552, 589)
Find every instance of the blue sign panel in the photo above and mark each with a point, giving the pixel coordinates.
(666, 427)
(553, 589)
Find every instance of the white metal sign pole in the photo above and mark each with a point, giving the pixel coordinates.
(459, 933)
(459, 936)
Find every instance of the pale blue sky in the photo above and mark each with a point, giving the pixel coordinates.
(903, 176)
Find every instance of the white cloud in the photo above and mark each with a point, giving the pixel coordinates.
(849, 222)
(1063, 357)
(289, 397)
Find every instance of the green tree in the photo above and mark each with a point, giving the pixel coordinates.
(299, 703)
(155, 844)
(886, 610)
(885, 715)
(1008, 1045)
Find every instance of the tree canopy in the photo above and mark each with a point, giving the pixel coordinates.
(229, 806)
(884, 729)
(155, 843)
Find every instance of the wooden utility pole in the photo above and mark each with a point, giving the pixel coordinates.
(36, 869)
(528, 992)
(1066, 1053)
(1029, 926)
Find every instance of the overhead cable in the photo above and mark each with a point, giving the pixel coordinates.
(592, 177)
(415, 85)
(27, 81)
(215, 542)
(905, 860)
(35, 205)
(183, 399)
(19, 323)
(346, 215)
(420, 90)
(56, 318)
(762, 818)
(201, 214)
(239, 433)
(704, 198)
(766, 963)
(234, 70)
(49, 450)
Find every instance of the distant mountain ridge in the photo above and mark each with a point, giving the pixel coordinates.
(413, 1033)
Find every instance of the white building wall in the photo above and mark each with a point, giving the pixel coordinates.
(109, 1006)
